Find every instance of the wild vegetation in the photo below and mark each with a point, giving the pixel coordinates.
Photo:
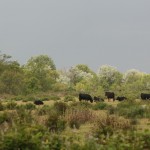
(64, 122)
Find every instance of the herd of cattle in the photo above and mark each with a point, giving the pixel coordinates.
(109, 95)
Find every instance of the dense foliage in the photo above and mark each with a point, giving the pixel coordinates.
(40, 74)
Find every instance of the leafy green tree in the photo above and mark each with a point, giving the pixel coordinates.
(41, 73)
(84, 68)
(11, 76)
(4, 62)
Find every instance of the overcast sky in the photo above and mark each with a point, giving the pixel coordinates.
(71, 32)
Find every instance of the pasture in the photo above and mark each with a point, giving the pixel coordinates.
(64, 122)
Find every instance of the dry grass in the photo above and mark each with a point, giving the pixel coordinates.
(144, 124)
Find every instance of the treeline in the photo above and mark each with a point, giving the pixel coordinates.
(39, 74)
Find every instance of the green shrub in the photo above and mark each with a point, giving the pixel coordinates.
(45, 99)
(60, 107)
(131, 109)
(54, 97)
(56, 143)
(4, 117)
(81, 104)
(54, 122)
(111, 109)
(44, 110)
(100, 106)
(29, 106)
(21, 139)
(124, 141)
(11, 105)
(18, 98)
(29, 98)
(2, 107)
(24, 116)
(68, 98)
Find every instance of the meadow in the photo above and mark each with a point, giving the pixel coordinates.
(65, 123)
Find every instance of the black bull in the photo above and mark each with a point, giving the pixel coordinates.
(38, 102)
(86, 97)
(98, 99)
(145, 96)
(110, 95)
(121, 98)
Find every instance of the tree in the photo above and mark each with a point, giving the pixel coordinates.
(84, 68)
(132, 75)
(4, 62)
(41, 73)
(109, 75)
(11, 76)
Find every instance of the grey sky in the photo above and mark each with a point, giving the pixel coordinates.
(71, 32)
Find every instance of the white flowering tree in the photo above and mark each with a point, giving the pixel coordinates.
(146, 82)
(132, 75)
(79, 77)
(108, 75)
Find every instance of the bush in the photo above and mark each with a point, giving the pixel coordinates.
(107, 125)
(21, 139)
(29, 98)
(81, 104)
(54, 97)
(111, 109)
(60, 107)
(45, 99)
(77, 116)
(55, 123)
(11, 105)
(56, 143)
(1, 106)
(73, 123)
(100, 106)
(129, 140)
(68, 98)
(44, 110)
(131, 109)
(18, 98)
(29, 106)
(24, 116)
(4, 117)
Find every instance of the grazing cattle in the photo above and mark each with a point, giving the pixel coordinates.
(86, 97)
(38, 102)
(110, 95)
(145, 96)
(98, 99)
(121, 98)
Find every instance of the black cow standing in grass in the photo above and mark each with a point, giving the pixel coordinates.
(38, 102)
(98, 99)
(110, 95)
(145, 96)
(121, 98)
(85, 97)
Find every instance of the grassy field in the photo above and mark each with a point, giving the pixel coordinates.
(76, 122)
